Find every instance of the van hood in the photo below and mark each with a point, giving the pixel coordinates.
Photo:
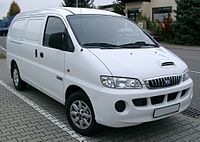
(140, 63)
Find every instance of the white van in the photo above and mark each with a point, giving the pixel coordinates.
(100, 65)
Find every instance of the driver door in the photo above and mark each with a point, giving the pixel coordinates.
(52, 58)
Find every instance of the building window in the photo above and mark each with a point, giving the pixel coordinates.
(160, 13)
(133, 13)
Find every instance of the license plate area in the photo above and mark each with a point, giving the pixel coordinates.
(166, 110)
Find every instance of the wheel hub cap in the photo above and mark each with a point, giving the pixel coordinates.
(81, 114)
(16, 77)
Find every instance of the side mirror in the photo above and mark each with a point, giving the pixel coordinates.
(58, 40)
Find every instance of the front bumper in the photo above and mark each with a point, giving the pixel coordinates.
(104, 104)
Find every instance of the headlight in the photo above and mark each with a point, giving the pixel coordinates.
(120, 82)
(186, 75)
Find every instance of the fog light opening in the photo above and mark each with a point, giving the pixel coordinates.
(183, 92)
(120, 106)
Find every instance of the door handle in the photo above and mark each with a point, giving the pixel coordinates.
(41, 55)
(36, 53)
(59, 78)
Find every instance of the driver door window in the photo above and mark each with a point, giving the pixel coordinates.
(56, 35)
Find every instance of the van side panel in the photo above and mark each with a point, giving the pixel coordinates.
(15, 41)
(30, 48)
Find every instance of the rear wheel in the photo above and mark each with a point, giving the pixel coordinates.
(80, 114)
(17, 81)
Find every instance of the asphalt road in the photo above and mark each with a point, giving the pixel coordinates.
(178, 127)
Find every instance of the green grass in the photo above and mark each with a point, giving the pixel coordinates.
(2, 56)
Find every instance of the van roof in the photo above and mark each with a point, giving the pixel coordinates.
(65, 11)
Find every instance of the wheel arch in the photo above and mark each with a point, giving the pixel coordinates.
(74, 88)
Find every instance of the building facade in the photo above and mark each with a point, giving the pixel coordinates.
(156, 10)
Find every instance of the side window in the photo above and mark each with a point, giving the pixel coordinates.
(56, 35)
(17, 29)
(33, 30)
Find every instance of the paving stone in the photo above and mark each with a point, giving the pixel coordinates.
(38, 135)
(16, 126)
(35, 140)
(11, 137)
(13, 140)
(24, 138)
(3, 138)
(48, 137)
(59, 139)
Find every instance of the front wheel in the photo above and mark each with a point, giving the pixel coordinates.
(80, 114)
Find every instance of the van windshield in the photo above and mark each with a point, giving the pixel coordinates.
(102, 31)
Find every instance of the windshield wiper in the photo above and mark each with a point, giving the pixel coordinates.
(101, 45)
(138, 44)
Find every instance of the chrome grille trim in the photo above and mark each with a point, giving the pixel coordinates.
(162, 82)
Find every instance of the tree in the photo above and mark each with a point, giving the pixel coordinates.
(187, 24)
(81, 3)
(118, 7)
(14, 9)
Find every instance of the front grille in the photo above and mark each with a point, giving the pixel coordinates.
(157, 99)
(172, 96)
(139, 102)
(162, 82)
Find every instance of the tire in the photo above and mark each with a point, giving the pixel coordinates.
(17, 81)
(80, 114)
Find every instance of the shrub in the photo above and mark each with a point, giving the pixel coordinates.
(187, 25)
(2, 56)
